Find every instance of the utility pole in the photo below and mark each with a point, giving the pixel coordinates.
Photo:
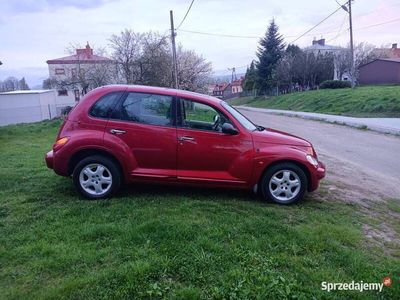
(173, 34)
(353, 69)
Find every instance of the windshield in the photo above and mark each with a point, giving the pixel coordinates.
(239, 117)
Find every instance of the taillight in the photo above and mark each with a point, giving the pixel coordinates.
(60, 142)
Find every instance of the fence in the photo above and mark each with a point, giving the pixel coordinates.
(29, 114)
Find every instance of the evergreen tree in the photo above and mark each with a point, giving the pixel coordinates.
(269, 53)
(251, 78)
(22, 85)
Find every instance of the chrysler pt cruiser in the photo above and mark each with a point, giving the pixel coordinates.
(121, 134)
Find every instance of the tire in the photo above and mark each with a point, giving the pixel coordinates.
(279, 183)
(96, 177)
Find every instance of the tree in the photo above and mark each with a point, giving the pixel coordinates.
(251, 78)
(363, 53)
(22, 85)
(194, 71)
(287, 72)
(145, 58)
(269, 53)
(13, 84)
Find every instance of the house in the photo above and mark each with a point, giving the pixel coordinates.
(237, 86)
(319, 46)
(27, 106)
(393, 52)
(222, 90)
(69, 67)
(380, 71)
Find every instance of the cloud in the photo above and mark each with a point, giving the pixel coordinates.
(32, 6)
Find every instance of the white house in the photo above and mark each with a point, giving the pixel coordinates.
(27, 106)
(319, 46)
(64, 68)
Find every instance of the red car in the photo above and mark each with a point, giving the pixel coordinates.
(124, 133)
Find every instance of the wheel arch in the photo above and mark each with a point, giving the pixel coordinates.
(81, 154)
(295, 162)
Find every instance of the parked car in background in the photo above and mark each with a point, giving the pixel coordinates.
(124, 133)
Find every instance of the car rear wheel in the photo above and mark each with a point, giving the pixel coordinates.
(96, 177)
(284, 183)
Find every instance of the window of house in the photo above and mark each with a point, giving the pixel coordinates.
(105, 105)
(200, 116)
(62, 93)
(147, 109)
(60, 71)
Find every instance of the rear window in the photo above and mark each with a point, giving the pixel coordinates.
(105, 105)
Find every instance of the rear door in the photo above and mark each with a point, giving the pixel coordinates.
(205, 154)
(145, 123)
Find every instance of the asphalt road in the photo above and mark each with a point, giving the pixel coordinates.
(356, 157)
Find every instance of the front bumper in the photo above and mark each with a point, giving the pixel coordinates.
(316, 175)
(49, 158)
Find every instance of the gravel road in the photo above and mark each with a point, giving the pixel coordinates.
(365, 163)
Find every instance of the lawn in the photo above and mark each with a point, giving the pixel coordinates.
(371, 101)
(158, 242)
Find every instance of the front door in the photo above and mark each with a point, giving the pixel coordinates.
(205, 154)
(146, 124)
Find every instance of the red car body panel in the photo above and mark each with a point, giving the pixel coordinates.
(157, 153)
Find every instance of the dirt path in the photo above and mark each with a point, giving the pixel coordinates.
(362, 164)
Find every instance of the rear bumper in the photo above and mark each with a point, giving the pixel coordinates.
(49, 158)
(316, 175)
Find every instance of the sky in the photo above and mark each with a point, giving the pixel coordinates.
(33, 31)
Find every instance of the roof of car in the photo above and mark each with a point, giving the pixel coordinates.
(162, 90)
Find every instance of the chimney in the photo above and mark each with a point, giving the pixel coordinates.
(394, 46)
(314, 42)
(320, 42)
(85, 52)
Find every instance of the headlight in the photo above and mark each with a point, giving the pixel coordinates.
(312, 160)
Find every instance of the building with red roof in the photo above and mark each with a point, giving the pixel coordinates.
(66, 68)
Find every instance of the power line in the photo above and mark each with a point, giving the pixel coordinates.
(184, 18)
(369, 26)
(340, 32)
(315, 26)
(245, 36)
(221, 35)
(379, 24)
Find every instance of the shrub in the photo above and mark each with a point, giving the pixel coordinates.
(335, 84)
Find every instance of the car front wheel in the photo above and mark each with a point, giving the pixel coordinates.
(284, 183)
(96, 177)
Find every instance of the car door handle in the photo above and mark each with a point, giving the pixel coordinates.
(185, 138)
(117, 131)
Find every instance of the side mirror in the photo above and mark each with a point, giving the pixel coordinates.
(227, 128)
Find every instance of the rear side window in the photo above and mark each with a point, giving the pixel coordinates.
(105, 105)
(147, 109)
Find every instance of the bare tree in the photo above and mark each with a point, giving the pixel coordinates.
(145, 58)
(13, 84)
(194, 71)
(363, 53)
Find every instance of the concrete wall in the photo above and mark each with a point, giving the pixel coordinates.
(27, 107)
(380, 72)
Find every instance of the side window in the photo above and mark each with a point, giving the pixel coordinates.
(147, 109)
(200, 116)
(105, 105)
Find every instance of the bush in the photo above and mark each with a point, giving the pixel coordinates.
(335, 84)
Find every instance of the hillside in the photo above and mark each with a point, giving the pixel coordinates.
(372, 101)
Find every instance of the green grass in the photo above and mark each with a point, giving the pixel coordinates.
(371, 101)
(159, 242)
